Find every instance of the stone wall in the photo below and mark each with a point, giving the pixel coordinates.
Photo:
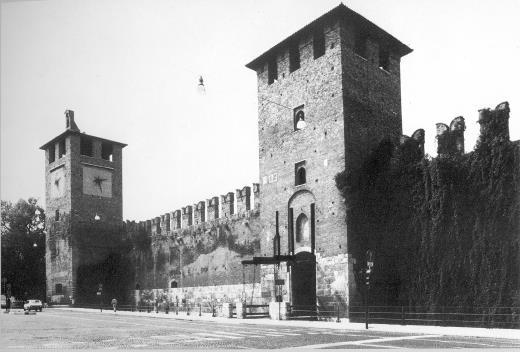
(207, 253)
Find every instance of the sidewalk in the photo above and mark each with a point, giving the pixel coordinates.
(343, 325)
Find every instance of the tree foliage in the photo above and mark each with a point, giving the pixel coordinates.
(23, 248)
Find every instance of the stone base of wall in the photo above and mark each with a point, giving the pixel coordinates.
(279, 310)
(227, 310)
(333, 277)
(251, 293)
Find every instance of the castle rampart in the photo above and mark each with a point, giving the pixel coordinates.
(200, 245)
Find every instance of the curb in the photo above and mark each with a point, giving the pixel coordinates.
(344, 325)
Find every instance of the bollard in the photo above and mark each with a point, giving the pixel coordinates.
(213, 311)
(337, 308)
(177, 309)
(167, 308)
(200, 310)
(187, 309)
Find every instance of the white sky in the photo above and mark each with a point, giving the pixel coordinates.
(129, 70)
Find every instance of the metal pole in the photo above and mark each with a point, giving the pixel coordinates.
(366, 305)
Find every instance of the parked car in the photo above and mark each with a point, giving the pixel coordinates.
(4, 301)
(33, 304)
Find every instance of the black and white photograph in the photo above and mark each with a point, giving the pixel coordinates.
(263, 175)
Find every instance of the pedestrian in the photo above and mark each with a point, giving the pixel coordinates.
(114, 304)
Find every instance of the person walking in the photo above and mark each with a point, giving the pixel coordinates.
(114, 304)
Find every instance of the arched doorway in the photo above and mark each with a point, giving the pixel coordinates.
(303, 282)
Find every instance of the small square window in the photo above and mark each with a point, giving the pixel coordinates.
(52, 153)
(86, 147)
(62, 148)
(107, 151)
(318, 43)
(58, 289)
(272, 71)
(384, 59)
(360, 46)
(294, 57)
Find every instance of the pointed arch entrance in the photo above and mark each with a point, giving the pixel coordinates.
(301, 246)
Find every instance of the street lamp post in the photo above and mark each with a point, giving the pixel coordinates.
(370, 264)
(100, 296)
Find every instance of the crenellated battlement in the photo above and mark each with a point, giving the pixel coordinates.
(494, 124)
(450, 139)
(414, 143)
(232, 205)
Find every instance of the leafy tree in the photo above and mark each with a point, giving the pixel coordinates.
(23, 248)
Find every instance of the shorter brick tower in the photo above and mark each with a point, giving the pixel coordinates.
(83, 184)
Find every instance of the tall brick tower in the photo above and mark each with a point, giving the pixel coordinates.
(83, 183)
(327, 95)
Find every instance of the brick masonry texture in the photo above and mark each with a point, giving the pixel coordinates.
(205, 253)
(350, 105)
(77, 212)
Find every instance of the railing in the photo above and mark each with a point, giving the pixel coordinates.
(257, 310)
(488, 317)
(495, 317)
(166, 308)
(315, 312)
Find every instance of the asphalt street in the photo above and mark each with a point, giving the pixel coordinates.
(61, 329)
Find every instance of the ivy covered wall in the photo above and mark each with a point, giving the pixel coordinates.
(445, 230)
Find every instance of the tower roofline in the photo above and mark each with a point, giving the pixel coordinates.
(343, 12)
(71, 132)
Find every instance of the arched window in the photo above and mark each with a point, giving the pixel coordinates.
(137, 287)
(302, 228)
(300, 176)
(173, 284)
(299, 118)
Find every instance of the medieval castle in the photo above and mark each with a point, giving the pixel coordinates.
(327, 95)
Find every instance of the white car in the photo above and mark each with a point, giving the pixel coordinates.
(33, 304)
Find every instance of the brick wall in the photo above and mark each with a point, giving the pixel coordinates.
(208, 252)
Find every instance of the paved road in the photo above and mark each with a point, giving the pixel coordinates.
(58, 329)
